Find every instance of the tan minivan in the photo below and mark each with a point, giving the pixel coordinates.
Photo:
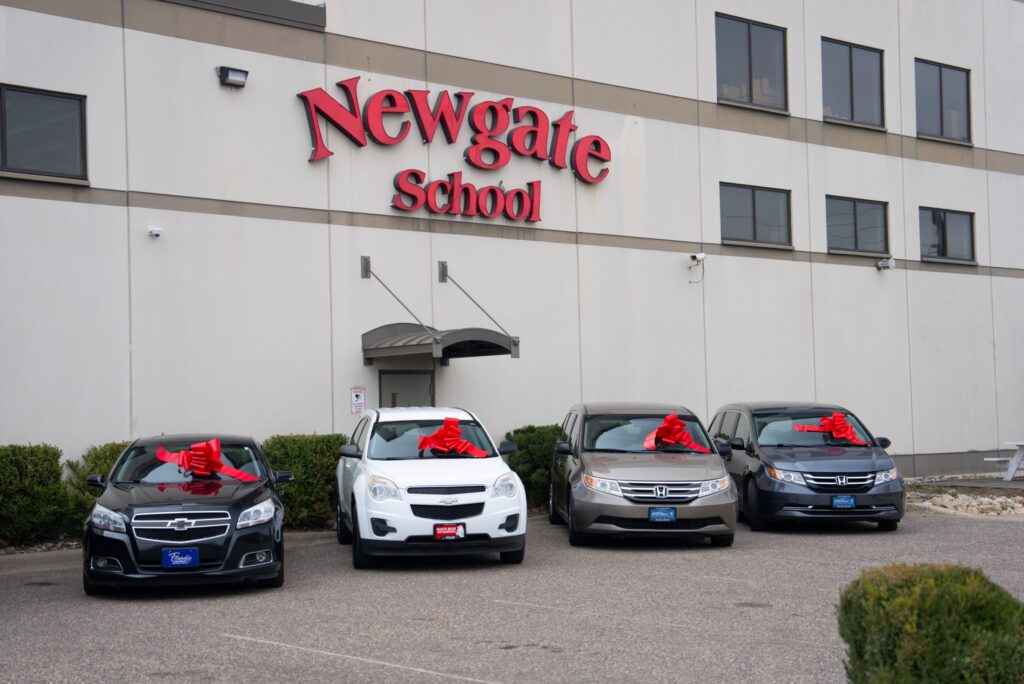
(630, 469)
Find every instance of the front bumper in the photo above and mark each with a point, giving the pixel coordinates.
(784, 501)
(223, 568)
(610, 515)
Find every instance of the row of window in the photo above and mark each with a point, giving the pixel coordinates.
(751, 61)
(762, 215)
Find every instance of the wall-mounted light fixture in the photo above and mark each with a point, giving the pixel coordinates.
(886, 264)
(230, 76)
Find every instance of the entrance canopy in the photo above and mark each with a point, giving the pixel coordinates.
(410, 339)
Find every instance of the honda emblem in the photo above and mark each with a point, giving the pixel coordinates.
(841, 480)
(661, 491)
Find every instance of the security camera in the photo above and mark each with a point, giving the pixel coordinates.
(886, 264)
(697, 259)
(155, 232)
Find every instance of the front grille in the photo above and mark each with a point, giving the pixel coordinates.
(186, 515)
(447, 512)
(840, 482)
(180, 536)
(660, 492)
(452, 489)
(642, 524)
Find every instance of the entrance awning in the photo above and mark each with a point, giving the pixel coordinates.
(409, 339)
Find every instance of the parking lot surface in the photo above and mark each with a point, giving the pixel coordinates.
(762, 610)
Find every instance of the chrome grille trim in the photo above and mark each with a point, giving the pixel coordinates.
(219, 523)
(852, 480)
(646, 492)
(164, 516)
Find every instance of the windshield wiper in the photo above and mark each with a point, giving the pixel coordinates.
(613, 451)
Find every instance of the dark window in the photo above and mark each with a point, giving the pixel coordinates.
(943, 107)
(947, 234)
(851, 78)
(856, 225)
(287, 12)
(42, 133)
(754, 214)
(751, 60)
(742, 430)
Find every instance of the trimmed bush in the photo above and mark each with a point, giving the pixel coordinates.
(532, 460)
(309, 501)
(930, 623)
(33, 500)
(98, 460)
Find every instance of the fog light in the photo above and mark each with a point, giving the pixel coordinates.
(380, 526)
(106, 563)
(101, 562)
(256, 558)
(510, 524)
(261, 557)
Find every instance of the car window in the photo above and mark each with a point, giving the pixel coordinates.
(569, 436)
(609, 432)
(564, 435)
(716, 425)
(358, 432)
(364, 435)
(742, 428)
(399, 440)
(141, 465)
(728, 428)
(807, 428)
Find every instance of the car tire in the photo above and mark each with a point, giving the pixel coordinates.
(554, 517)
(722, 539)
(888, 525)
(275, 581)
(513, 557)
(576, 538)
(344, 534)
(755, 518)
(91, 589)
(360, 559)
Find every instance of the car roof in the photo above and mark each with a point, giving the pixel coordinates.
(387, 415)
(595, 407)
(192, 438)
(784, 406)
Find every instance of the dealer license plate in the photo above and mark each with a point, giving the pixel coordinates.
(661, 514)
(844, 502)
(181, 558)
(452, 531)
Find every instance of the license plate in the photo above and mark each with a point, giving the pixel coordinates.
(661, 514)
(844, 502)
(181, 558)
(453, 531)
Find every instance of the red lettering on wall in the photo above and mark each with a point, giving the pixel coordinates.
(348, 121)
(407, 183)
(586, 148)
(379, 104)
(443, 113)
(530, 141)
(563, 128)
(489, 119)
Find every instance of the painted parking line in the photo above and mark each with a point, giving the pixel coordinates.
(371, 661)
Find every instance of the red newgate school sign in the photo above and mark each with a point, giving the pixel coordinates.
(491, 146)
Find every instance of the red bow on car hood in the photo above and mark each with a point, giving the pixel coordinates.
(448, 439)
(203, 459)
(200, 488)
(836, 425)
(672, 431)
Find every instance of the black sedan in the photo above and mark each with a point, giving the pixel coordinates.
(802, 461)
(186, 509)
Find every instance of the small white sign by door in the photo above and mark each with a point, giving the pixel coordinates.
(358, 399)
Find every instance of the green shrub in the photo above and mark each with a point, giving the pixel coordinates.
(930, 623)
(98, 460)
(532, 460)
(309, 501)
(33, 499)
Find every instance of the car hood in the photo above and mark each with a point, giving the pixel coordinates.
(126, 498)
(436, 472)
(832, 459)
(653, 466)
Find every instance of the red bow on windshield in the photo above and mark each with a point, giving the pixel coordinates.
(448, 439)
(203, 459)
(836, 425)
(200, 488)
(672, 431)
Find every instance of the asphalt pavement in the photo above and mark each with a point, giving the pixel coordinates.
(763, 610)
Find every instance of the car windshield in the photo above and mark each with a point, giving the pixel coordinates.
(141, 466)
(626, 433)
(808, 428)
(400, 440)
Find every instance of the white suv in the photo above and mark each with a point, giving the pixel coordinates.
(428, 481)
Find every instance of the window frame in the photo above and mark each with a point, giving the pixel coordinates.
(784, 109)
(973, 260)
(31, 173)
(969, 140)
(857, 250)
(881, 85)
(755, 242)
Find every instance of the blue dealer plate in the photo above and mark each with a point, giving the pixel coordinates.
(181, 558)
(661, 514)
(844, 502)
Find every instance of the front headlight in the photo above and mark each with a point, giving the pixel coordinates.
(381, 488)
(257, 515)
(708, 487)
(600, 485)
(504, 486)
(106, 519)
(887, 476)
(787, 476)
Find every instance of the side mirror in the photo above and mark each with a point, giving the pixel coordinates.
(883, 442)
(724, 449)
(507, 448)
(563, 449)
(98, 481)
(737, 444)
(350, 451)
(282, 476)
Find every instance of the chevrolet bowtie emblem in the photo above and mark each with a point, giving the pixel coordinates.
(180, 524)
(449, 500)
